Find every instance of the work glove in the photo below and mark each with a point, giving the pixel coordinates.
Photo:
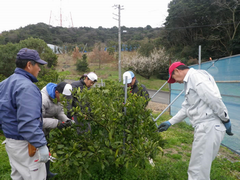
(164, 126)
(43, 154)
(64, 124)
(228, 127)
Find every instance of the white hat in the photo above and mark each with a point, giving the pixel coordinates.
(67, 90)
(92, 76)
(129, 75)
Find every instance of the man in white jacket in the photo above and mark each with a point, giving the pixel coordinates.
(207, 113)
(52, 112)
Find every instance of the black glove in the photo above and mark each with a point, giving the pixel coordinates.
(64, 124)
(228, 127)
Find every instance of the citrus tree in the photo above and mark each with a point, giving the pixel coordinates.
(117, 138)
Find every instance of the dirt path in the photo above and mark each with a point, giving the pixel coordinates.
(156, 107)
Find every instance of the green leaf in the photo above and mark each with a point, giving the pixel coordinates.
(75, 163)
(79, 155)
(60, 152)
(116, 153)
(107, 143)
(91, 148)
(60, 146)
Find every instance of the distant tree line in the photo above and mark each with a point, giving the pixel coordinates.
(213, 24)
(81, 36)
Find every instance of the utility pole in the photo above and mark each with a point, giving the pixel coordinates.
(119, 39)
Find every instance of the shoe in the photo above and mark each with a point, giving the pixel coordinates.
(51, 175)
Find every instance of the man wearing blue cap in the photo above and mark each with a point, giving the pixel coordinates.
(134, 84)
(21, 118)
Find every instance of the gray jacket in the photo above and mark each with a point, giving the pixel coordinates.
(51, 112)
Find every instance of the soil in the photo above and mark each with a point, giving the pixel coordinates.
(156, 107)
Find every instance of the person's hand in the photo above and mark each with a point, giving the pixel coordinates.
(228, 127)
(64, 124)
(43, 154)
(164, 126)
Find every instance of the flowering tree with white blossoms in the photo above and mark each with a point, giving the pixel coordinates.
(147, 66)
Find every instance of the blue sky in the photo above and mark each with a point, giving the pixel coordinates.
(90, 13)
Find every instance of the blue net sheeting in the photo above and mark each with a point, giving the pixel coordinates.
(226, 72)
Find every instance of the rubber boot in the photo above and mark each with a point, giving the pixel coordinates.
(49, 173)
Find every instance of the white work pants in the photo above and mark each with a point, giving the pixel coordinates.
(23, 166)
(207, 140)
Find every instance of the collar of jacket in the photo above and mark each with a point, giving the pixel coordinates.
(25, 74)
(82, 81)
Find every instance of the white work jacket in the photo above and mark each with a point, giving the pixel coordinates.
(203, 100)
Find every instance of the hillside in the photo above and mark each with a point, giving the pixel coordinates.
(80, 36)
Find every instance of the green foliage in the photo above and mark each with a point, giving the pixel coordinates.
(5, 168)
(41, 47)
(8, 55)
(48, 75)
(167, 166)
(111, 50)
(78, 36)
(82, 64)
(146, 49)
(9, 52)
(115, 139)
(2, 77)
(212, 24)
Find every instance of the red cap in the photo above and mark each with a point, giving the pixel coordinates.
(171, 68)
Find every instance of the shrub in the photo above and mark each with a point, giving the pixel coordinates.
(82, 64)
(9, 52)
(115, 139)
(47, 75)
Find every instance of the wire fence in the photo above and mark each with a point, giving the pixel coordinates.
(226, 72)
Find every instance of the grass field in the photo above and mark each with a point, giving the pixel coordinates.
(107, 71)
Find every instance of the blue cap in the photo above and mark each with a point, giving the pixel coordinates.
(30, 54)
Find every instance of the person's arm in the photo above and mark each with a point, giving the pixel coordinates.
(61, 115)
(50, 123)
(181, 114)
(209, 93)
(29, 105)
